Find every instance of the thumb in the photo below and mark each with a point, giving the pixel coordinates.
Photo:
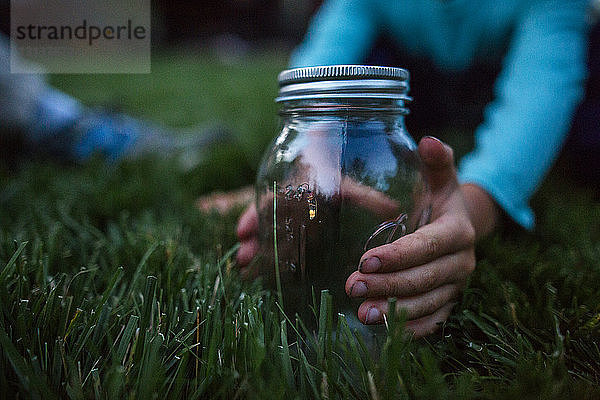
(438, 163)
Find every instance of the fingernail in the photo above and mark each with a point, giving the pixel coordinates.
(373, 315)
(359, 289)
(436, 139)
(371, 264)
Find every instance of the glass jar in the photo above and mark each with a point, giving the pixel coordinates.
(343, 176)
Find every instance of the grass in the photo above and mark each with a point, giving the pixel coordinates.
(113, 286)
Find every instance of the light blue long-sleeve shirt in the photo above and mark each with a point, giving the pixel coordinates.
(540, 85)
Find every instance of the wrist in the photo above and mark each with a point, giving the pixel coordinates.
(483, 211)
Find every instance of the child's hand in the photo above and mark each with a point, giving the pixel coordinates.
(427, 269)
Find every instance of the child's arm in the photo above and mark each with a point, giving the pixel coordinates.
(341, 32)
(536, 94)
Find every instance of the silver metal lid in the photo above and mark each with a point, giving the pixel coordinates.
(343, 81)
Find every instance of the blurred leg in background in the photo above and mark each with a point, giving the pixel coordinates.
(41, 121)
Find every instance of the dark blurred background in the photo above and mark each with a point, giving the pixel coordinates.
(246, 22)
(250, 20)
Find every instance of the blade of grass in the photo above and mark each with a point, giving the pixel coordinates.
(275, 252)
(30, 381)
(285, 356)
(126, 338)
(9, 268)
(325, 326)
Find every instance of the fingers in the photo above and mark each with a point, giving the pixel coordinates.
(451, 268)
(371, 311)
(438, 163)
(248, 249)
(248, 224)
(430, 323)
(224, 202)
(247, 231)
(447, 234)
(419, 324)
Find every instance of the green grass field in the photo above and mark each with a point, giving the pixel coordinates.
(113, 286)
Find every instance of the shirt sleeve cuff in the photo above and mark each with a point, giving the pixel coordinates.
(519, 212)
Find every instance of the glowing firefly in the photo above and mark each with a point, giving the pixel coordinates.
(312, 205)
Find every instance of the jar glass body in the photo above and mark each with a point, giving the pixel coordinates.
(343, 176)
